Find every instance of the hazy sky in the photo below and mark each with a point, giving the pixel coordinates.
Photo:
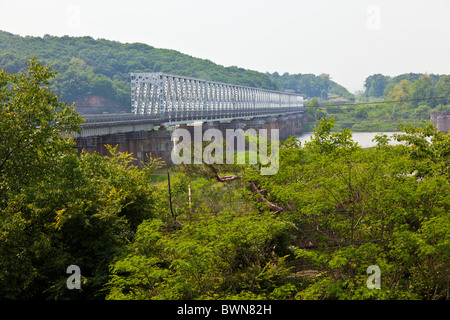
(348, 39)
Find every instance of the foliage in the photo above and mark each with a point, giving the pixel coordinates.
(86, 67)
(225, 231)
(213, 257)
(32, 124)
(375, 85)
(376, 206)
(57, 208)
(409, 88)
(99, 67)
(311, 86)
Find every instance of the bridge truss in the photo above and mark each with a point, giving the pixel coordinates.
(178, 98)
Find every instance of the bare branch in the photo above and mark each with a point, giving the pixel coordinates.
(219, 178)
(274, 207)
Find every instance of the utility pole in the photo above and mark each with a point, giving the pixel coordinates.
(190, 204)
(170, 194)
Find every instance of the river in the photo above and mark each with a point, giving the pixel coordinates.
(364, 139)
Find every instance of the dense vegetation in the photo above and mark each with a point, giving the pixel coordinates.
(378, 85)
(308, 232)
(408, 97)
(312, 86)
(86, 66)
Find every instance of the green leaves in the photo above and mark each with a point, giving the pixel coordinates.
(352, 208)
(215, 257)
(88, 67)
(339, 209)
(32, 124)
(58, 208)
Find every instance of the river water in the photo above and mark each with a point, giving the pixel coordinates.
(364, 139)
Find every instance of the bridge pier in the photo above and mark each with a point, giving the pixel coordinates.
(441, 120)
(158, 141)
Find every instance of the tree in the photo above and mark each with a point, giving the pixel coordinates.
(422, 89)
(442, 89)
(87, 66)
(361, 112)
(228, 256)
(401, 92)
(313, 107)
(310, 85)
(371, 206)
(103, 202)
(33, 124)
(57, 208)
(375, 85)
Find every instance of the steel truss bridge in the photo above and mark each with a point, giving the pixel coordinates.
(178, 98)
(165, 99)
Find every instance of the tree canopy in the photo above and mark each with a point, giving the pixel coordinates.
(86, 66)
(311, 86)
(308, 232)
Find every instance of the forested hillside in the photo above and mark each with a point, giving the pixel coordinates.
(100, 68)
(87, 67)
(424, 89)
(310, 85)
(385, 100)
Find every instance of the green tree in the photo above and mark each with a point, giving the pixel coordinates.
(401, 92)
(369, 207)
(361, 112)
(104, 201)
(422, 89)
(375, 85)
(225, 256)
(32, 127)
(58, 208)
(313, 107)
(442, 89)
(99, 67)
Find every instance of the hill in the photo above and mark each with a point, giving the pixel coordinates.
(311, 86)
(95, 73)
(379, 85)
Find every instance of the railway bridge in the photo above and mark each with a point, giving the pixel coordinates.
(161, 102)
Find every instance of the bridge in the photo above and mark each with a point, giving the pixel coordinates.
(161, 101)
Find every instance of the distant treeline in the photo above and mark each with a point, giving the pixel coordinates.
(412, 89)
(97, 67)
(407, 97)
(312, 86)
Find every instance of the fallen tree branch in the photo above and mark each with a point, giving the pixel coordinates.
(274, 207)
(219, 178)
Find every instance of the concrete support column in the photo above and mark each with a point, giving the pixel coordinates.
(441, 120)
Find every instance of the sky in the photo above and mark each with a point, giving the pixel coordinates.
(347, 39)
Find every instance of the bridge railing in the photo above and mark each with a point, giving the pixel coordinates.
(95, 118)
(175, 97)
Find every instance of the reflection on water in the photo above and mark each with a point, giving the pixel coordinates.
(364, 139)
